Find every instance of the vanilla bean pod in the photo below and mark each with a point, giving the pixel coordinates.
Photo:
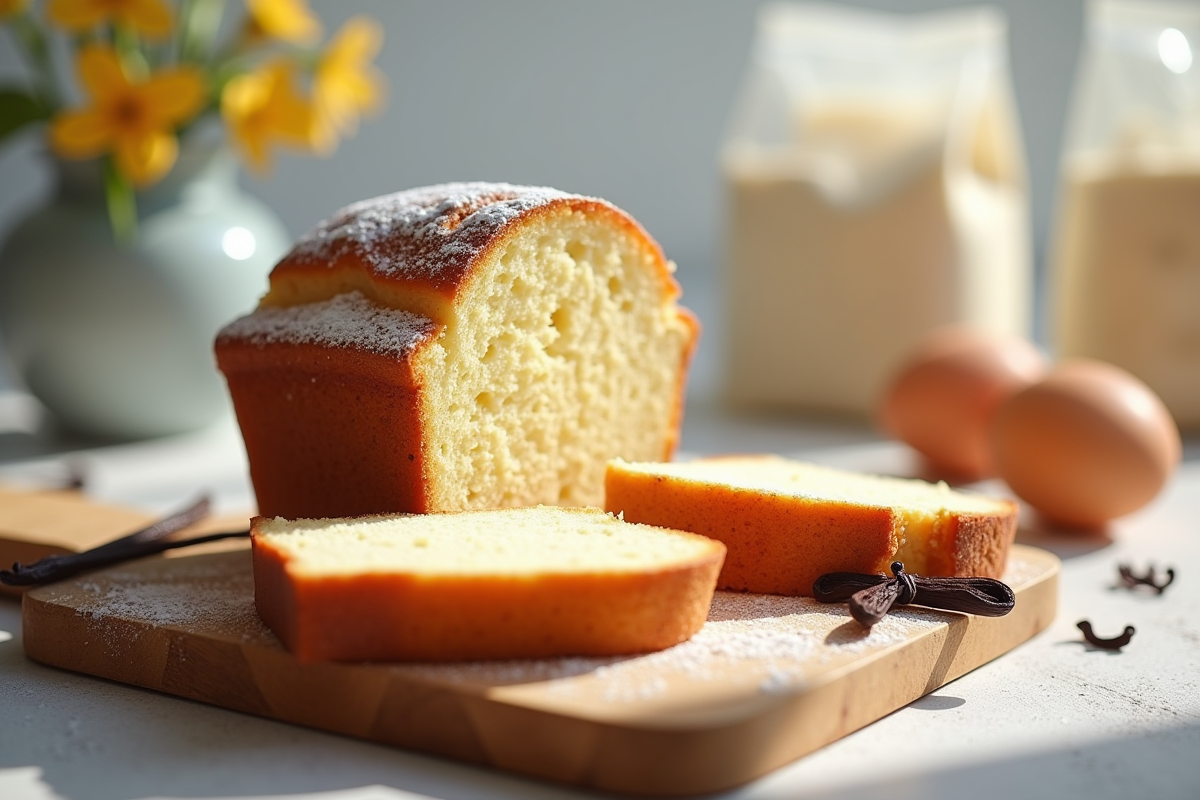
(870, 597)
(147, 541)
(41, 572)
(164, 527)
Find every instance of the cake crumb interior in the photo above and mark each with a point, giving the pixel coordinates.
(566, 350)
(510, 543)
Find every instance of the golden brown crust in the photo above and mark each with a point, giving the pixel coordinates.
(274, 600)
(328, 432)
(418, 249)
(693, 324)
(404, 617)
(982, 542)
(777, 544)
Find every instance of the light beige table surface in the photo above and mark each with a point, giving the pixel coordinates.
(1051, 719)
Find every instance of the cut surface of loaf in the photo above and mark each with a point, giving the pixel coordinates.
(510, 583)
(458, 347)
(786, 523)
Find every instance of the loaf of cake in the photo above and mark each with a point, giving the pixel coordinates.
(786, 523)
(509, 583)
(458, 347)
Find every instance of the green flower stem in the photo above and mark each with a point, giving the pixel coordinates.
(183, 28)
(122, 204)
(129, 50)
(38, 51)
(199, 24)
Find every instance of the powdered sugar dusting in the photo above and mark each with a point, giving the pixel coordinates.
(200, 598)
(1019, 571)
(433, 232)
(781, 642)
(764, 643)
(203, 598)
(347, 320)
(777, 643)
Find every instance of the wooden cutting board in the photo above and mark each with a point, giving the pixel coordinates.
(767, 680)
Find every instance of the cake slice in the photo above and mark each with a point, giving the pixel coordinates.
(514, 583)
(463, 346)
(786, 523)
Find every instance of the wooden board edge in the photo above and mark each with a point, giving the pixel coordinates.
(483, 730)
(663, 762)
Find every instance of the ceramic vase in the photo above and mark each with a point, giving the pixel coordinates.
(116, 339)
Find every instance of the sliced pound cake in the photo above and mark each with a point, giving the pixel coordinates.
(786, 523)
(457, 347)
(513, 583)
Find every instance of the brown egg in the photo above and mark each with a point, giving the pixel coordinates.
(1089, 443)
(942, 400)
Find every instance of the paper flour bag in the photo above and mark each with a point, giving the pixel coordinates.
(875, 189)
(1126, 261)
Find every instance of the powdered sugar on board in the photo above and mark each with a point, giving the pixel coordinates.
(778, 641)
(200, 597)
(766, 643)
(434, 232)
(347, 320)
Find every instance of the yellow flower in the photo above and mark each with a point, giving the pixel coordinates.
(345, 83)
(288, 20)
(263, 107)
(151, 18)
(133, 121)
(10, 7)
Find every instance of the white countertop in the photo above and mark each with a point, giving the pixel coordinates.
(1053, 718)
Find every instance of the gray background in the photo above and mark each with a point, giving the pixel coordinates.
(624, 99)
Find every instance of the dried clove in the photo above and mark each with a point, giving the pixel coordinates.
(147, 541)
(1131, 581)
(1116, 643)
(870, 597)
